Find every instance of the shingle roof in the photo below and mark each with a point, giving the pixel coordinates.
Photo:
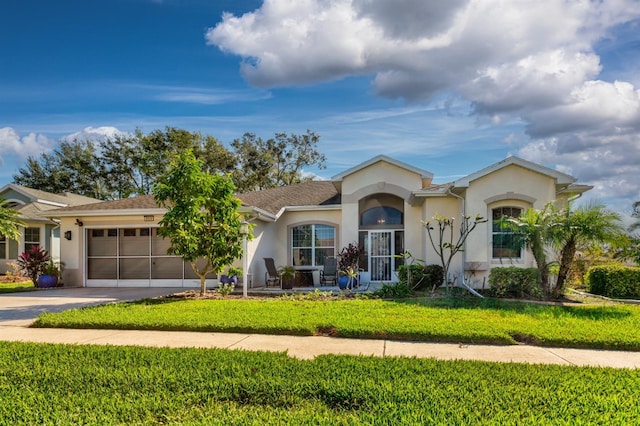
(141, 202)
(314, 193)
(66, 198)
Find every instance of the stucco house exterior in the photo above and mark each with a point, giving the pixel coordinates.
(380, 204)
(39, 229)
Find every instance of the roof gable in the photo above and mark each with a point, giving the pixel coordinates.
(47, 198)
(423, 173)
(560, 178)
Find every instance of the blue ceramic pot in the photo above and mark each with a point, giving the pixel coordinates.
(343, 282)
(47, 281)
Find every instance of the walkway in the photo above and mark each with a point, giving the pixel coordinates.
(16, 314)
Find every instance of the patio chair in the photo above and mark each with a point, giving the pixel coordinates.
(271, 276)
(329, 273)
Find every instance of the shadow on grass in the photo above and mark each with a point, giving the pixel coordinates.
(522, 307)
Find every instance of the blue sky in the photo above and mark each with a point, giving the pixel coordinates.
(450, 87)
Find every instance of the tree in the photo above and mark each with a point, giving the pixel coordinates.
(119, 167)
(636, 215)
(573, 228)
(275, 162)
(132, 164)
(532, 227)
(202, 219)
(72, 167)
(9, 222)
(446, 248)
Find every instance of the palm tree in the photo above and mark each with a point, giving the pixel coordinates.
(590, 223)
(532, 227)
(636, 214)
(9, 222)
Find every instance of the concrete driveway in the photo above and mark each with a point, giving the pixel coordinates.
(20, 309)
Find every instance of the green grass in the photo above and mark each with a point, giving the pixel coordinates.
(448, 320)
(71, 384)
(16, 287)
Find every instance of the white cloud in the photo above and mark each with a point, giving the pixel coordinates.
(535, 61)
(94, 134)
(21, 147)
(413, 47)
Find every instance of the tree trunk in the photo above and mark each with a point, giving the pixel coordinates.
(566, 260)
(541, 262)
(203, 285)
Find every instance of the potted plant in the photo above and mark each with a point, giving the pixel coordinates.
(49, 276)
(231, 277)
(288, 275)
(234, 273)
(33, 262)
(348, 266)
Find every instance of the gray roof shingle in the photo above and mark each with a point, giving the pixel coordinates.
(272, 200)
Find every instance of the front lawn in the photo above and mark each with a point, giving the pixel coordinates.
(83, 384)
(447, 320)
(14, 287)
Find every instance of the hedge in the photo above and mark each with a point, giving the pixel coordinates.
(615, 281)
(515, 282)
(422, 276)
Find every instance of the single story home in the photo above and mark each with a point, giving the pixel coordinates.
(380, 204)
(39, 229)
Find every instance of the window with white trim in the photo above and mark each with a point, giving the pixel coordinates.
(311, 243)
(3, 247)
(505, 243)
(31, 238)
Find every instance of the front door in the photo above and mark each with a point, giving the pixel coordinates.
(380, 255)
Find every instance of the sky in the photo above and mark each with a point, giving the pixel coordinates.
(448, 86)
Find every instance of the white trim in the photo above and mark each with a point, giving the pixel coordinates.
(423, 173)
(328, 207)
(561, 178)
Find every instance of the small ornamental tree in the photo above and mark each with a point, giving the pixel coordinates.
(202, 219)
(447, 246)
(533, 227)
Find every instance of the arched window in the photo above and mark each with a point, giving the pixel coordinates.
(311, 243)
(381, 216)
(505, 243)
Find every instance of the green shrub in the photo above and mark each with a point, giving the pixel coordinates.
(614, 281)
(515, 282)
(422, 276)
(394, 291)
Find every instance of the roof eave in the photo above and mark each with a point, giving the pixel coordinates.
(424, 174)
(104, 212)
(561, 178)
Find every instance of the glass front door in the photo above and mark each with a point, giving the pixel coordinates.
(380, 255)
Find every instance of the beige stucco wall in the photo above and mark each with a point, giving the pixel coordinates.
(511, 186)
(382, 174)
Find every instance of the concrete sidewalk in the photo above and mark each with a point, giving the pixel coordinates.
(307, 347)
